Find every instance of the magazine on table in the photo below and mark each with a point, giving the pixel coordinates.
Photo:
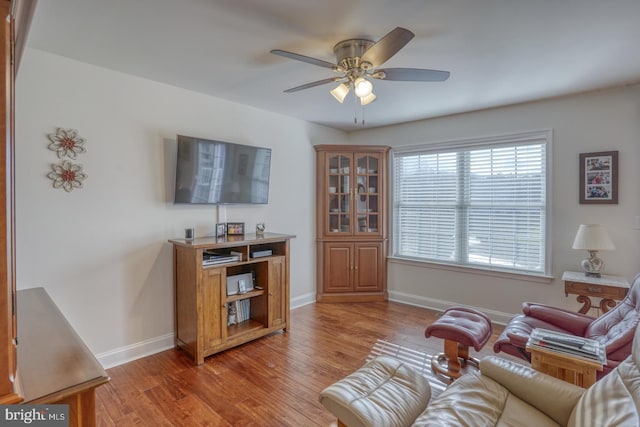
(569, 344)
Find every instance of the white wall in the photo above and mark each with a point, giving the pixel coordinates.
(602, 121)
(101, 251)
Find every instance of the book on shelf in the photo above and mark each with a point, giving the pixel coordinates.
(241, 309)
(238, 311)
(584, 348)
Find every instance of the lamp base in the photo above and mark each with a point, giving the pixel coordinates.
(593, 266)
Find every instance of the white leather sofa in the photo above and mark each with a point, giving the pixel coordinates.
(388, 393)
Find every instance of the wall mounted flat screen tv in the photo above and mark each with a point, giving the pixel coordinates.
(218, 172)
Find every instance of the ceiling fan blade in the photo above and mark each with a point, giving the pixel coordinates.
(412, 75)
(314, 84)
(387, 46)
(307, 59)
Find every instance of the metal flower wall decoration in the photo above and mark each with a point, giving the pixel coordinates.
(67, 175)
(67, 143)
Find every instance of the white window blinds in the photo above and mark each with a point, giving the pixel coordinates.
(481, 204)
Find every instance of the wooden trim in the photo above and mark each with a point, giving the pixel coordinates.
(352, 148)
(23, 11)
(8, 386)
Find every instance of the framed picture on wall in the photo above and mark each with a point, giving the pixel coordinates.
(599, 178)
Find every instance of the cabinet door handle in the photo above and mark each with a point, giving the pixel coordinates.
(270, 294)
(356, 267)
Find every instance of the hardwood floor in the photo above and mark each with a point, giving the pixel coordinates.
(273, 381)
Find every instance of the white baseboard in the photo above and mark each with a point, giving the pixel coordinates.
(131, 352)
(302, 300)
(440, 305)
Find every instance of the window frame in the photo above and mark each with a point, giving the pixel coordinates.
(544, 136)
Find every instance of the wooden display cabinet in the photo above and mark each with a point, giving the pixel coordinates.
(351, 188)
(202, 304)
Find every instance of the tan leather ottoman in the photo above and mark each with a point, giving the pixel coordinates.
(385, 392)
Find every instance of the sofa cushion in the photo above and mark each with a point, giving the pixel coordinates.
(612, 401)
(480, 401)
(383, 393)
(550, 395)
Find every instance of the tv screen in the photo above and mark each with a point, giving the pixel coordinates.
(218, 172)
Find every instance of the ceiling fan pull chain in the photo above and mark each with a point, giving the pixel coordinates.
(355, 109)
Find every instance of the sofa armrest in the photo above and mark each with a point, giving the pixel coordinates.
(554, 397)
(570, 321)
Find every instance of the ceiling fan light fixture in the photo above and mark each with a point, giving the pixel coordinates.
(340, 92)
(363, 87)
(364, 100)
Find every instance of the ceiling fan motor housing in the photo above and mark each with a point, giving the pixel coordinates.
(348, 53)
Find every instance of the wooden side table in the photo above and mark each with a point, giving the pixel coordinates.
(564, 366)
(609, 288)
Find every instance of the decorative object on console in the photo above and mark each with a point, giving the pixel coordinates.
(221, 230)
(593, 238)
(67, 175)
(260, 227)
(599, 178)
(189, 234)
(235, 228)
(240, 283)
(67, 143)
(232, 318)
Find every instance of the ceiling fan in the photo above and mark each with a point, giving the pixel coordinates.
(358, 61)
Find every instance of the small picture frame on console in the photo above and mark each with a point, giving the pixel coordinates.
(235, 228)
(221, 230)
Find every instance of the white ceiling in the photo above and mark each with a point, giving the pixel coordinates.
(498, 51)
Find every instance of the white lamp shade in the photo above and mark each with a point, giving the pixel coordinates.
(594, 237)
(362, 87)
(340, 92)
(364, 100)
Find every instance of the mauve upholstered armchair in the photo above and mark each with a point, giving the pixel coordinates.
(614, 328)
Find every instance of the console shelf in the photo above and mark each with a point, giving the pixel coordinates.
(251, 294)
(201, 301)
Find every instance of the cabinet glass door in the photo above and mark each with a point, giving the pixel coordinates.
(367, 194)
(339, 193)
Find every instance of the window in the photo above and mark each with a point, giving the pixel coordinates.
(479, 203)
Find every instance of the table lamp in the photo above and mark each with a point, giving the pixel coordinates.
(593, 238)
